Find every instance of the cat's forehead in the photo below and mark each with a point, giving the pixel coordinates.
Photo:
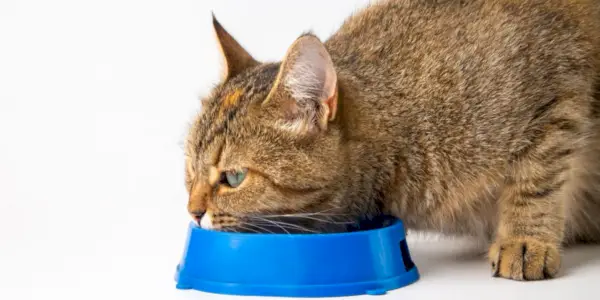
(228, 108)
(234, 96)
(255, 81)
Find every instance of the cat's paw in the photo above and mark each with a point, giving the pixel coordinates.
(524, 259)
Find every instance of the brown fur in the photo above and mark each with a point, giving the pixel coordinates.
(463, 117)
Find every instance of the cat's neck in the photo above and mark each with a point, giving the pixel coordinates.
(375, 140)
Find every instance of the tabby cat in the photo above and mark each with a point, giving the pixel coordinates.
(473, 117)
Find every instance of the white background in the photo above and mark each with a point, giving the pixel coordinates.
(95, 100)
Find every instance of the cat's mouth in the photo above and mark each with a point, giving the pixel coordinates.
(304, 224)
(323, 221)
(299, 224)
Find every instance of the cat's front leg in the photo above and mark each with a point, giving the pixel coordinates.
(531, 226)
(531, 208)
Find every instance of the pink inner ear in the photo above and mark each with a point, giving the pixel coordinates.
(311, 75)
(331, 103)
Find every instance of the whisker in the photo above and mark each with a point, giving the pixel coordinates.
(294, 226)
(249, 229)
(324, 220)
(262, 229)
(272, 222)
(230, 229)
(321, 213)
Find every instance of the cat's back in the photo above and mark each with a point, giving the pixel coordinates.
(392, 33)
(465, 62)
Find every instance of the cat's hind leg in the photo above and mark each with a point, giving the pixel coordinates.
(583, 211)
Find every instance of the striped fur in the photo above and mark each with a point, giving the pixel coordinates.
(474, 117)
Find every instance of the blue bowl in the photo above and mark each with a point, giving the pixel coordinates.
(297, 265)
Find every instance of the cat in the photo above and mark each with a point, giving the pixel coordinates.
(474, 117)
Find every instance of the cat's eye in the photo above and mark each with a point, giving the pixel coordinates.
(233, 178)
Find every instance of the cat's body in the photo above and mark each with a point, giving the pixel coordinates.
(442, 98)
(473, 117)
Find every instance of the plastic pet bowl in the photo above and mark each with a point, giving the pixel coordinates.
(297, 265)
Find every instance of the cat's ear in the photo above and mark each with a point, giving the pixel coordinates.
(305, 91)
(235, 57)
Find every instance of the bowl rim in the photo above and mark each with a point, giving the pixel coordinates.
(395, 225)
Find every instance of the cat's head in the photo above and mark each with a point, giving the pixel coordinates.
(265, 153)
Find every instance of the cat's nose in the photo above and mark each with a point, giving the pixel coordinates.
(197, 216)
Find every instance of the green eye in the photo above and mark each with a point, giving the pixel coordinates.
(233, 178)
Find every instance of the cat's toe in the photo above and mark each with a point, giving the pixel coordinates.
(524, 259)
